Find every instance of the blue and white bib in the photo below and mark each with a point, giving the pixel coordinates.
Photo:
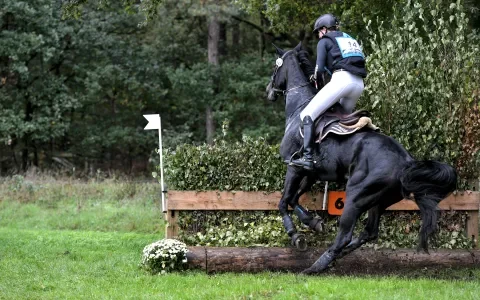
(349, 46)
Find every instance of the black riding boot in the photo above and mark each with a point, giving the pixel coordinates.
(308, 142)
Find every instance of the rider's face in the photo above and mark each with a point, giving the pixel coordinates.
(321, 32)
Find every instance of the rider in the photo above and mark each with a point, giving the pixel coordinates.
(341, 56)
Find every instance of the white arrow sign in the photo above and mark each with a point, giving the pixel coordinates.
(154, 123)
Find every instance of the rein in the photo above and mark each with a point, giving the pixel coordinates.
(285, 92)
(299, 108)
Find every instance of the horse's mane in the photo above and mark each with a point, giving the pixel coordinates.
(307, 67)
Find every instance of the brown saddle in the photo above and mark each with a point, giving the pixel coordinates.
(336, 121)
(346, 119)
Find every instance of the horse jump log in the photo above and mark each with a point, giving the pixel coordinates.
(366, 261)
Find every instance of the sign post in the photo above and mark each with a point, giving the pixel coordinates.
(155, 123)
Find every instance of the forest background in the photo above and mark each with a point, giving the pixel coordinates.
(77, 76)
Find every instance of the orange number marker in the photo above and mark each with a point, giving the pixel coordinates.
(336, 202)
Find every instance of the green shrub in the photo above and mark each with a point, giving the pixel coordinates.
(249, 165)
(265, 228)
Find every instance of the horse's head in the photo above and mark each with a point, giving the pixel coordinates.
(278, 80)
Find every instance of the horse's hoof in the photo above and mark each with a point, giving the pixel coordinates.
(299, 241)
(317, 224)
(308, 271)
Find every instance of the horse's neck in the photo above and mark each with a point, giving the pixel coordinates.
(296, 99)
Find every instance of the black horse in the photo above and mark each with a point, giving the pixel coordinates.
(378, 171)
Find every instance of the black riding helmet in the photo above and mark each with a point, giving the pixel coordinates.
(326, 20)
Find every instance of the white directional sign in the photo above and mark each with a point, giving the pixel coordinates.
(154, 123)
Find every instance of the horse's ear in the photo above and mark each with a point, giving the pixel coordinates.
(280, 52)
(299, 47)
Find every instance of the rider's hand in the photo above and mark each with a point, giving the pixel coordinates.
(313, 78)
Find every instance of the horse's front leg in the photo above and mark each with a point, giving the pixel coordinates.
(291, 187)
(307, 218)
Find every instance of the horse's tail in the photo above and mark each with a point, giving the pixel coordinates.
(430, 182)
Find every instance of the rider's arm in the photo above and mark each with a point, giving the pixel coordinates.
(322, 77)
(321, 58)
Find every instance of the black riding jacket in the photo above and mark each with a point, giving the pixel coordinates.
(331, 57)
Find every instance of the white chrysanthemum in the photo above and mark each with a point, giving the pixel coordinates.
(164, 256)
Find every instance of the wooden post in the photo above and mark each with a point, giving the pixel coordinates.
(472, 227)
(171, 230)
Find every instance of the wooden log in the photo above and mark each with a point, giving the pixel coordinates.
(368, 261)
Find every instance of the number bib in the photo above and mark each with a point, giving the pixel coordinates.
(348, 46)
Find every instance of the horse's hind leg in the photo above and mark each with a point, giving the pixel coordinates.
(370, 232)
(292, 184)
(359, 198)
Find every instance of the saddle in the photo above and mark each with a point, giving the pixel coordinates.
(336, 121)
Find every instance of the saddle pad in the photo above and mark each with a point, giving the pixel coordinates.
(338, 128)
(342, 129)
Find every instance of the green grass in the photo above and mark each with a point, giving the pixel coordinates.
(98, 206)
(51, 247)
(47, 264)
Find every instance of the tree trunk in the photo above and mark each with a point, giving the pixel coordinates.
(263, 22)
(209, 124)
(362, 261)
(14, 156)
(25, 154)
(35, 154)
(222, 40)
(26, 137)
(213, 40)
(213, 53)
(235, 38)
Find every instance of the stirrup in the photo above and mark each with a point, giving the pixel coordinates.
(298, 153)
(308, 165)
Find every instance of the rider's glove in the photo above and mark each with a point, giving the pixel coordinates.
(313, 78)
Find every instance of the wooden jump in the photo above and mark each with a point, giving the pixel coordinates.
(239, 200)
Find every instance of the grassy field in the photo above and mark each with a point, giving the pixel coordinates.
(81, 241)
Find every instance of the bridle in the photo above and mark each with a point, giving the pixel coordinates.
(278, 65)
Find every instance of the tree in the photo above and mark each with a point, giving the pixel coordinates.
(73, 88)
(34, 92)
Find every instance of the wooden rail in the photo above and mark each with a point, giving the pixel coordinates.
(239, 200)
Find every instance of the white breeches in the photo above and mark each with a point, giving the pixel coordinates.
(344, 87)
